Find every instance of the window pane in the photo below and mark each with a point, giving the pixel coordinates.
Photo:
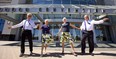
(42, 1)
(84, 2)
(75, 1)
(56, 1)
(65, 1)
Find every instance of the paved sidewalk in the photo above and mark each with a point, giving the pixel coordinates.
(11, 50)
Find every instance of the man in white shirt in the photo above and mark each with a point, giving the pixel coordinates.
(87, 33)
(28, 25)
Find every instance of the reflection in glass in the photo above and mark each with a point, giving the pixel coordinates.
(84, 2)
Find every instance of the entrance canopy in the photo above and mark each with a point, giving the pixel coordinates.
(58, 9)
(55, 9)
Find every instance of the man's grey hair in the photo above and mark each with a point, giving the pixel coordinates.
(86, 16)
(29, 14)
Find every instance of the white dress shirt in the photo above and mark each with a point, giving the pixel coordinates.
(90, 24)
(27, 24)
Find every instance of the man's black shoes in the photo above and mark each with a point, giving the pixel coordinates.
(21, 55)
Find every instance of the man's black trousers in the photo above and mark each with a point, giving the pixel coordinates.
(87, 35)
(26, 34)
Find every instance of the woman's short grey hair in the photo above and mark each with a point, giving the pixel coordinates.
(46, 20)
(64, 18)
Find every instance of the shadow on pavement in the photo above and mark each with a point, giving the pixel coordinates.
(106, 54)
(55, 54)
(102, 53)
(59, 55)
(11, 44)
(34, 55)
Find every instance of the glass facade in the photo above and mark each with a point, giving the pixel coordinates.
(60, 16)
(83, 2)
(100, 31)
(35, 31)
(1, 25)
